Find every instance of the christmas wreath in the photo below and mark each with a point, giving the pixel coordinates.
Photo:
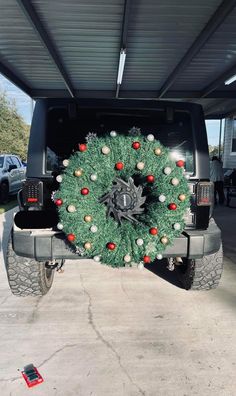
(122, 199)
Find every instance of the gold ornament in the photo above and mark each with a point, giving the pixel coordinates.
(78, 172)
(87, 245)
(88, 218)
(175, 181)
(105, 150)
(71, 208)
(157, 151)
(164, 240)
(140, 165)
(182, 197)
(127, 258)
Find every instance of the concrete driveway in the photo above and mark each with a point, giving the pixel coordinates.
(103, 331)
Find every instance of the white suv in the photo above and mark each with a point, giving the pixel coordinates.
(12, 175)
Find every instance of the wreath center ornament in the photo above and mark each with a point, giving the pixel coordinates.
(124, 201)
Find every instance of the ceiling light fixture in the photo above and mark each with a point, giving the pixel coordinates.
(230, 80)
(121, 66)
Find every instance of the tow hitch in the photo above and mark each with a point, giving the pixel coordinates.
(54, 264)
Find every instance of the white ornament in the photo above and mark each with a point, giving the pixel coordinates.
(140, 266)
(105, 150)
(139, 241)
(60, 226)
(127, 258)
(162, 198)
(177, 226)
(175, 181)
(172, 155)
(150, 137)
(59, 178)
(71, 208)
(159, 257)
(93, 228)
(97, 259)
(167, 170)
(113, 134)
(65, 162)
(93, 177)
(140, 165)
(187, 177)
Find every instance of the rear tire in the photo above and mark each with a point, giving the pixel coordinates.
(4, 193)
(202, 274)
(27, 277)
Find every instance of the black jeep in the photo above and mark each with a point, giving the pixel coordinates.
(37, 247)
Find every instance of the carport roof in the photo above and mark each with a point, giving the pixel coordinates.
(181, 50)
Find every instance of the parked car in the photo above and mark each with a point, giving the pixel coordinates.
(37, 246)
(12, 175)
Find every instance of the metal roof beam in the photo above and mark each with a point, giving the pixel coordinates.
(218, 107)
(38, 26)
(187, 95)
(124, 35)
(213, 105)
(11, 75)
(215, 21)
(230, 113)
(216, 83)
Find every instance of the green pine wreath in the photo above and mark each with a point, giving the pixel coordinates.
(122, 199)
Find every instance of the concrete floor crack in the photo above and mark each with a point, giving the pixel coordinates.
(55, 353)
(104, 341)
(42, 363)
(5, 299)
(35, 310)
(9, 379)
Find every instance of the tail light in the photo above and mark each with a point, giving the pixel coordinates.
(205, 193)
(32, 193)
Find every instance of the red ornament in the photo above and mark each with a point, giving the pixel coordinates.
(119, 165)
(136, 145)
(111, 246)
(180, 163)
(153, 231)
(58, 202)
(172, 206)
(71, 237)
(82, 147)
(85, 191)
(146, 259)
(150, 178)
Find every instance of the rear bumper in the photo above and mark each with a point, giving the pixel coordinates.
(45, 245)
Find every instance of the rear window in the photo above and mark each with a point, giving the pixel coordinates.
(64, 133)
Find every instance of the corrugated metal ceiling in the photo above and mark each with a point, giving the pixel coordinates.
(87, 36)
(21, 49)
(218, 55)
(174, 49)
(160, 32)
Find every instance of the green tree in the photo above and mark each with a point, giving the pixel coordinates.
(214, 150)
(14, 132)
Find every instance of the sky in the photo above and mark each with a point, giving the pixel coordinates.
(23, 102)
(24, 106)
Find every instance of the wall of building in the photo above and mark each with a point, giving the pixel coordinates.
(229, 158)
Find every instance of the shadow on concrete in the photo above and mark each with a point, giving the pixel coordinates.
(160, 269)
(225, 218)
(6, 229)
